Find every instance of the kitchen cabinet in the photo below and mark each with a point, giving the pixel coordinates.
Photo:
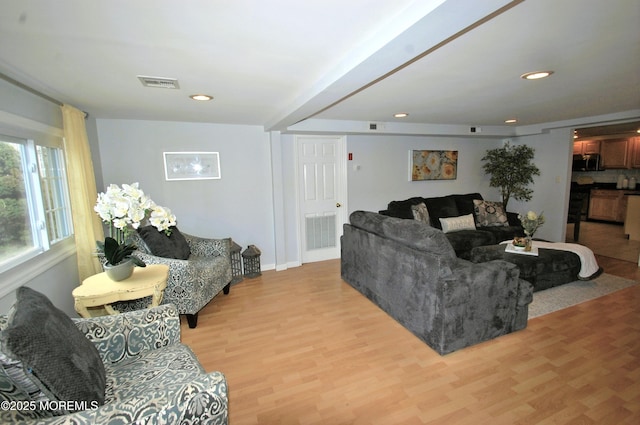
(609, 204)
(586, 147)
(603, 204)
(632, 219)
(635, 152)
(615, 153)
(622, 208)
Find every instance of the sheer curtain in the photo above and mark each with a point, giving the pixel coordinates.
(82, 191)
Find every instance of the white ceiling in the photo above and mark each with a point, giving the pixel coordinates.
(274, 63)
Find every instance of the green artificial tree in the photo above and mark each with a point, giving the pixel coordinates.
(511, 169)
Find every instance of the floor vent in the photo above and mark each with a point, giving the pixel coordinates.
(321, 232)
(159, 82)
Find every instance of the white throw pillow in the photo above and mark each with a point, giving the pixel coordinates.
(454, 224)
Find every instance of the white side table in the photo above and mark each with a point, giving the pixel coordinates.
(96, 294)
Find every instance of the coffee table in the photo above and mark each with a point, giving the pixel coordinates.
(96, 294)
(551, 267)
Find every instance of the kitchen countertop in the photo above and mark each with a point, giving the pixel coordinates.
(602, 186)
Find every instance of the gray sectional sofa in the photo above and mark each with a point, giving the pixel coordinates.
(443, 207)
(411, 271)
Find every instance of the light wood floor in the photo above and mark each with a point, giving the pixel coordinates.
(607, 240)
(302, 347)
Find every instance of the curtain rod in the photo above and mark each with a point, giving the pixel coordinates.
(34, 91)
(29, 89)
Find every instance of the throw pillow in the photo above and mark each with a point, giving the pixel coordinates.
(489, 213)
(161, 245)
(420, 213)
(55, 354)
(454, 224)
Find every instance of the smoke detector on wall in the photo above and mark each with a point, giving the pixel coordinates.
(159, 82)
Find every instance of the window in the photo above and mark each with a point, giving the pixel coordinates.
(53, 183)
(34, 205)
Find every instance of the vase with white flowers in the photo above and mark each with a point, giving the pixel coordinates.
(123, 210)
(530, 223)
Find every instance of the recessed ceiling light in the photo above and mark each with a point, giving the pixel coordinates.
(536, 75)
(510, 121)
(401, 115)
(201, 97)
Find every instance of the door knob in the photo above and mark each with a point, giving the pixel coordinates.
(338, 204)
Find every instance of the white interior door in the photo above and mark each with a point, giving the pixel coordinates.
(322, 193)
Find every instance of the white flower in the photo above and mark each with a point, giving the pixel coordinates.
(531, 222)
(128, 207)
(162, 218)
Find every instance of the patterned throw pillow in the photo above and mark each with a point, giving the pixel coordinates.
(420, 213)
(489, 213)
(454, 224)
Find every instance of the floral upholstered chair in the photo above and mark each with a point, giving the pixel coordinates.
(199, 268)
(121, 369)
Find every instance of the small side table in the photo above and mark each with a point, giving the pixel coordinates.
(100, 291)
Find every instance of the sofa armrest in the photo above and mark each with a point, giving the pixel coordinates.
(203, 400)
(208, 247)
(125, 335)
(495, 277)
(480, 302)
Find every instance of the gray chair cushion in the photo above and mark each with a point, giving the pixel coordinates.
(62, 361)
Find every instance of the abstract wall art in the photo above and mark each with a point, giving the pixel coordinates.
(191, 165)
(433, 165)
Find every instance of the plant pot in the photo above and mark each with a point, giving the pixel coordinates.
(120, 271)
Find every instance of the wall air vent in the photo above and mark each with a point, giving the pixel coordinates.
(159, 82)
(376, 126)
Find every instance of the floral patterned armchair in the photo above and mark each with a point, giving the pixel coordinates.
(151, 378)
(193, 281)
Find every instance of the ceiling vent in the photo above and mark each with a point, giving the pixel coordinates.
(159, 82)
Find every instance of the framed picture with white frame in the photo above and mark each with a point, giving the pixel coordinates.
(191, 165)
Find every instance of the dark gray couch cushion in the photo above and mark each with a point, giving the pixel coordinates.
(465, 204)
(161, 245)
(63, 362)
(402, 209)
(410, 232)
(441, 207)
(465, 240)
(503, 233)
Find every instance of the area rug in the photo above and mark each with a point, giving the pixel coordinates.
(563, 296)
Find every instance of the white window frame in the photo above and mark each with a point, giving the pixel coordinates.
(43, 256)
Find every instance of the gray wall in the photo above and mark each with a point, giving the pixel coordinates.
(553, 155)
(379, 171)
(239, 205)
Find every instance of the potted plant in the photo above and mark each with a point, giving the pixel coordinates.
(511, 169)
(123, 209)
(120, 260)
